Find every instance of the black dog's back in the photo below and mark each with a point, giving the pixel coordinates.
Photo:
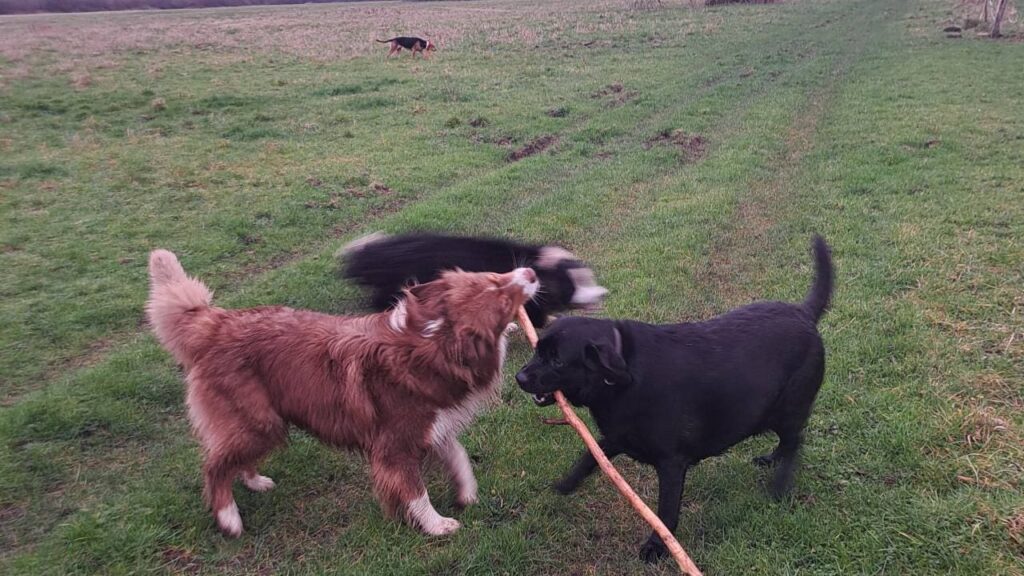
(716, 382)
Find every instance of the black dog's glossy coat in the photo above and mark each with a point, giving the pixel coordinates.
(672, 395)
(386, 264)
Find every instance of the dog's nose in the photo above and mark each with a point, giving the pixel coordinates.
(521, 378)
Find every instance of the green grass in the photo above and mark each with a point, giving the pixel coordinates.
(255, 161)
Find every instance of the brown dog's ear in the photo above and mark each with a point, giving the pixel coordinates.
(472, 347)
(424, 293)
(606, 358)
(425, 303)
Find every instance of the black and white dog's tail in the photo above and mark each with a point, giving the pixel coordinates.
(360, 243)
(817, 300)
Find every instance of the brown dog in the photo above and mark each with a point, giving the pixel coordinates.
(397, 385)
(410, 43)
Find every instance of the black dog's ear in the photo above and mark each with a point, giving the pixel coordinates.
(606, 358)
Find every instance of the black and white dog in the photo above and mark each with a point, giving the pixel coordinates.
(672, 395)
(386, 264)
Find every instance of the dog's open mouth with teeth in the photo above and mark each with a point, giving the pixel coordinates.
(544, 399)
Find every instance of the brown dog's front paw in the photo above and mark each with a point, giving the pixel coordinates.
(464, 500)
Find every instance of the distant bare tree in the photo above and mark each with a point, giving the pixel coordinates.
(997, 22)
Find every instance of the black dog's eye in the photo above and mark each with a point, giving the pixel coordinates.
(556, 362)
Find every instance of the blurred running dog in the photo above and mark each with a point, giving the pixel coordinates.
(410, 43)
(385, 264)
(397, 385)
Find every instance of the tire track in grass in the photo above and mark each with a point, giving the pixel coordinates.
(735, 263)
(627, 218)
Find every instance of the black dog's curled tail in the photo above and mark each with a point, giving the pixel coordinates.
(818, 298)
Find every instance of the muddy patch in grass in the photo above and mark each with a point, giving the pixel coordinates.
(336, 200)
(1015, 529)
(535, 146)
(496, 139)
(615, 95)
(693, 147)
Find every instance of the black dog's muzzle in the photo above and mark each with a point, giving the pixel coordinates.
(539, 398)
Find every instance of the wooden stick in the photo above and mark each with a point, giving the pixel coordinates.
(685, 564)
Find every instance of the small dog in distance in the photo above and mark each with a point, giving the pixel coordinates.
(410, 43)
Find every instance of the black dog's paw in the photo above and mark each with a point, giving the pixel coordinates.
(763, 461)
(653, 550)
(565, 486)
(780, 490)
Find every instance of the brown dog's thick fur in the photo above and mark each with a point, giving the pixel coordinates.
(397, 385)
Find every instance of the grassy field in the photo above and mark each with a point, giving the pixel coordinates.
(687, 153)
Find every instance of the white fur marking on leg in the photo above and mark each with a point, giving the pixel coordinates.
(456, 460)
(586, 292)
(229, 520)
(256, 482)
(422, 512)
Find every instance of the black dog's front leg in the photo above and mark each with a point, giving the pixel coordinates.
(671, 477)
(584, 467)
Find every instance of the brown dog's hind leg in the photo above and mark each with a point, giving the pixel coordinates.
(234, 439)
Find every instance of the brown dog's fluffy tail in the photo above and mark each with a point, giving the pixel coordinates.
(174, 300)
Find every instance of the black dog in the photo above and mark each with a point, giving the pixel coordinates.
(386, 264)
(672, 395)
